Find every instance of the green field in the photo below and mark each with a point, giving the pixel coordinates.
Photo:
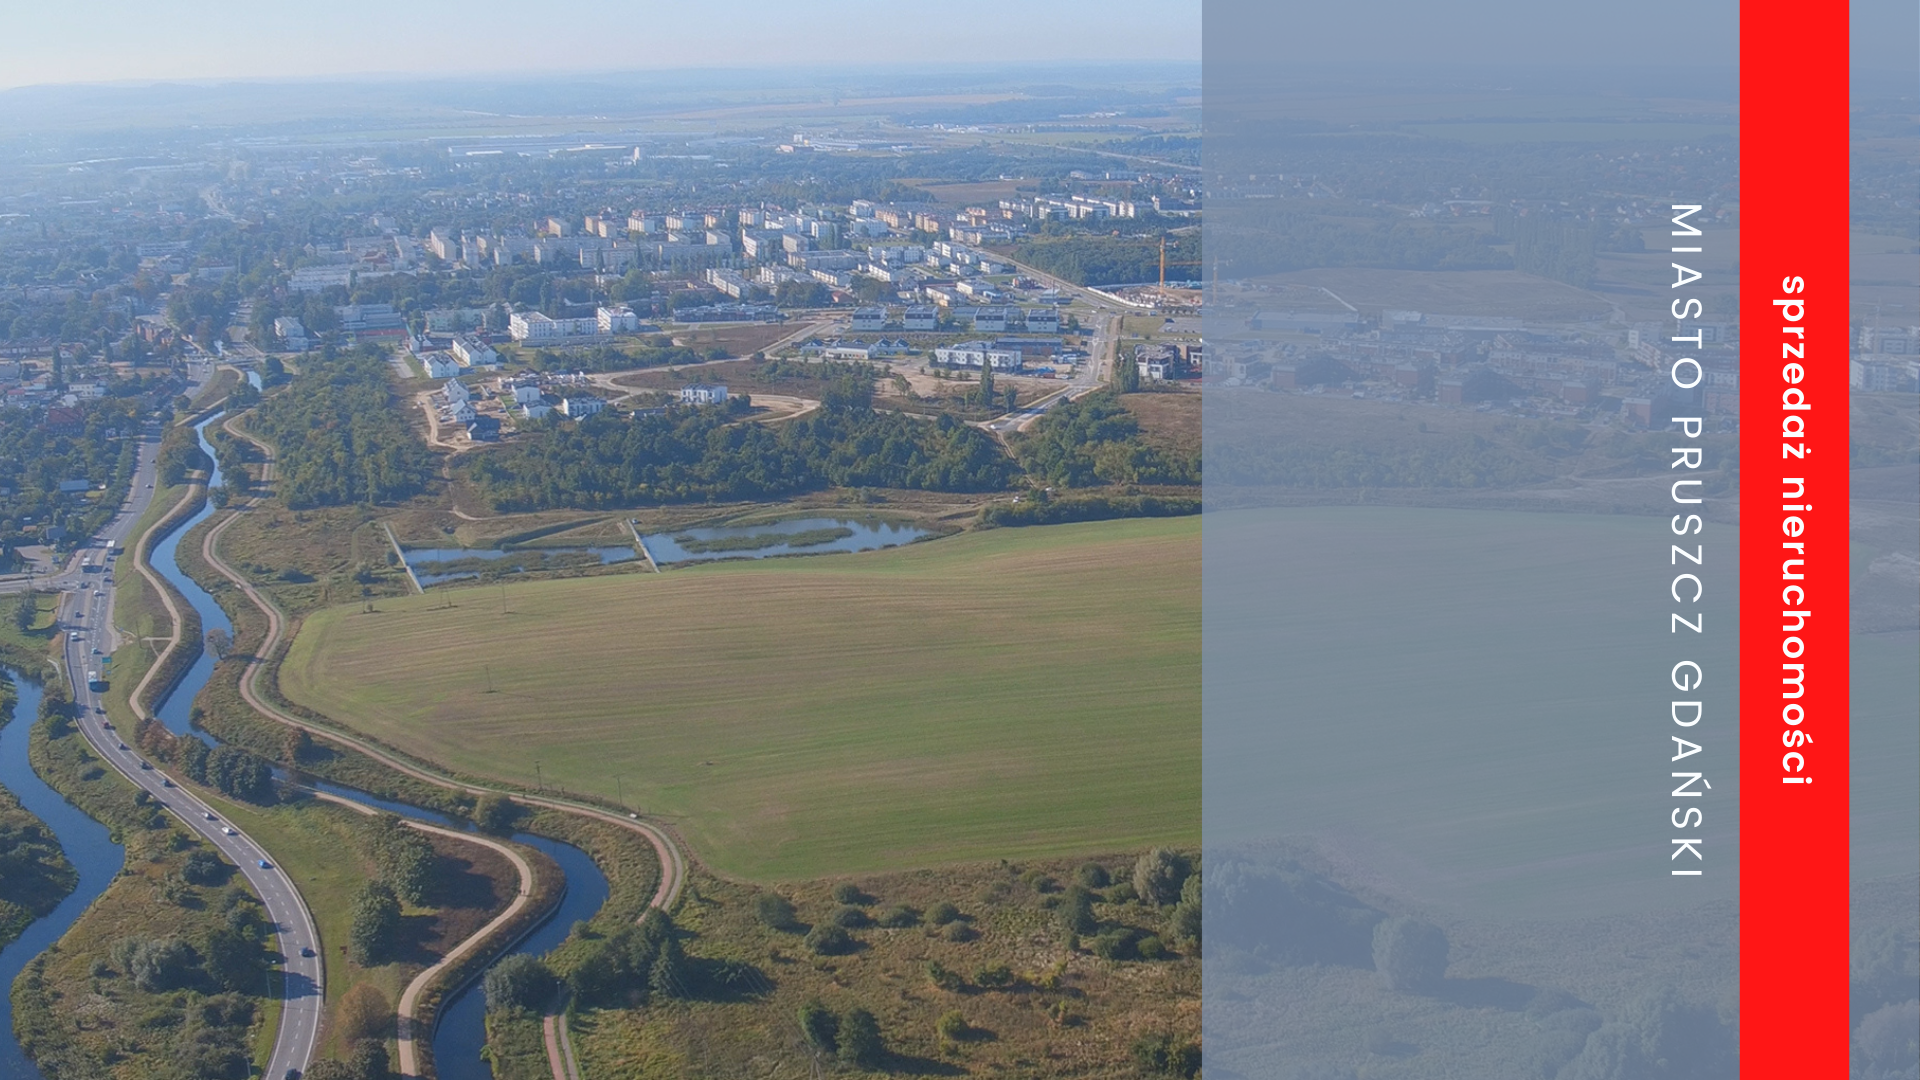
(1001, 694)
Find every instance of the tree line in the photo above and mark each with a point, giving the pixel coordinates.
(705, 455)
(336, 436)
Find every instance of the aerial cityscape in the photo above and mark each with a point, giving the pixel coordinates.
(698, 573)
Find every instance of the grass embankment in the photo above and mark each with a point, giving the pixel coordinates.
(1032, 999)
(34, 873)
(1016, 693)
(162, 977)
(516, 1046)
(141, 614)
(28, 651)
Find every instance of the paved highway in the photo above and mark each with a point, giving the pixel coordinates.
(85, 609)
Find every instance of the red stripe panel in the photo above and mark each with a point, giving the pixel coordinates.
(1793, 749)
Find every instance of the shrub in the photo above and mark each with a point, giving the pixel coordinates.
(944, 978)
(1074, 914)
(860, 1042)
(1158, 876)
(958, 931)
(1093, 876)
(495, 814)
(364, 1013)
(1122, 893)
(998, 977)
(166, 964)
(827, 939)
(1409, 954)
(952, 1026)
(1186, 922)
(898, 916)
(1161, 1055)
(1117, 944)
(848, 893)
(1150, 947)
(819, 1026)
(1040, 881)
(203, 867)
(942, 913)
(849, 916)
(775, 911)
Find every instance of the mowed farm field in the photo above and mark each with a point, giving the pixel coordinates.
(1001, 694)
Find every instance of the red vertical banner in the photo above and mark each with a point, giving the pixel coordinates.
(1794, 346)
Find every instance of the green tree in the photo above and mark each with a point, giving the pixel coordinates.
(860, 1042)
(775, 911)
(521, 981)
(1158, 875)
(495, 814)
(1075, 913)
(819, 1027)
(375, 924)
(235, 961)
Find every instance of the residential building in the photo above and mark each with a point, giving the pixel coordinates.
(977, 355)
(579, 408)
(704, 394)
(475, 353)
(616, 320)
(922, 318)
(440, 365)
(869, 318)
(289, 329)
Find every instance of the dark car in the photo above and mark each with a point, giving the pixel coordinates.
(146, 764)
(292, 1074)
(306, 950)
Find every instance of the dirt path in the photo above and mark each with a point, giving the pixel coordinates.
(410, 999)
(673, 865)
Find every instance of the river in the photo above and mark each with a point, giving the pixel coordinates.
(88, 846)
(460, 1033)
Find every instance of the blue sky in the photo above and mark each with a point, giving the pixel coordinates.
(90, 41)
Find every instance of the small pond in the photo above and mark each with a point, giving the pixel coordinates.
(800, 536)
(435, 565)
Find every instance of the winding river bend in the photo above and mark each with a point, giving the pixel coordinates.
(86, 842)
(460, 1032)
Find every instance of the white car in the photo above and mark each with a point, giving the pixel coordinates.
(229, 831)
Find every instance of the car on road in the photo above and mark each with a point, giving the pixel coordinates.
(292, 1074)
(146, 765)
(229, 831)
(265, 865)
(306, 950)
(164, 782)
(123, 746)
(210, 817)
(73, 635)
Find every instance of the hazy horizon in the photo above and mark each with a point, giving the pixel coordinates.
(234, 40)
